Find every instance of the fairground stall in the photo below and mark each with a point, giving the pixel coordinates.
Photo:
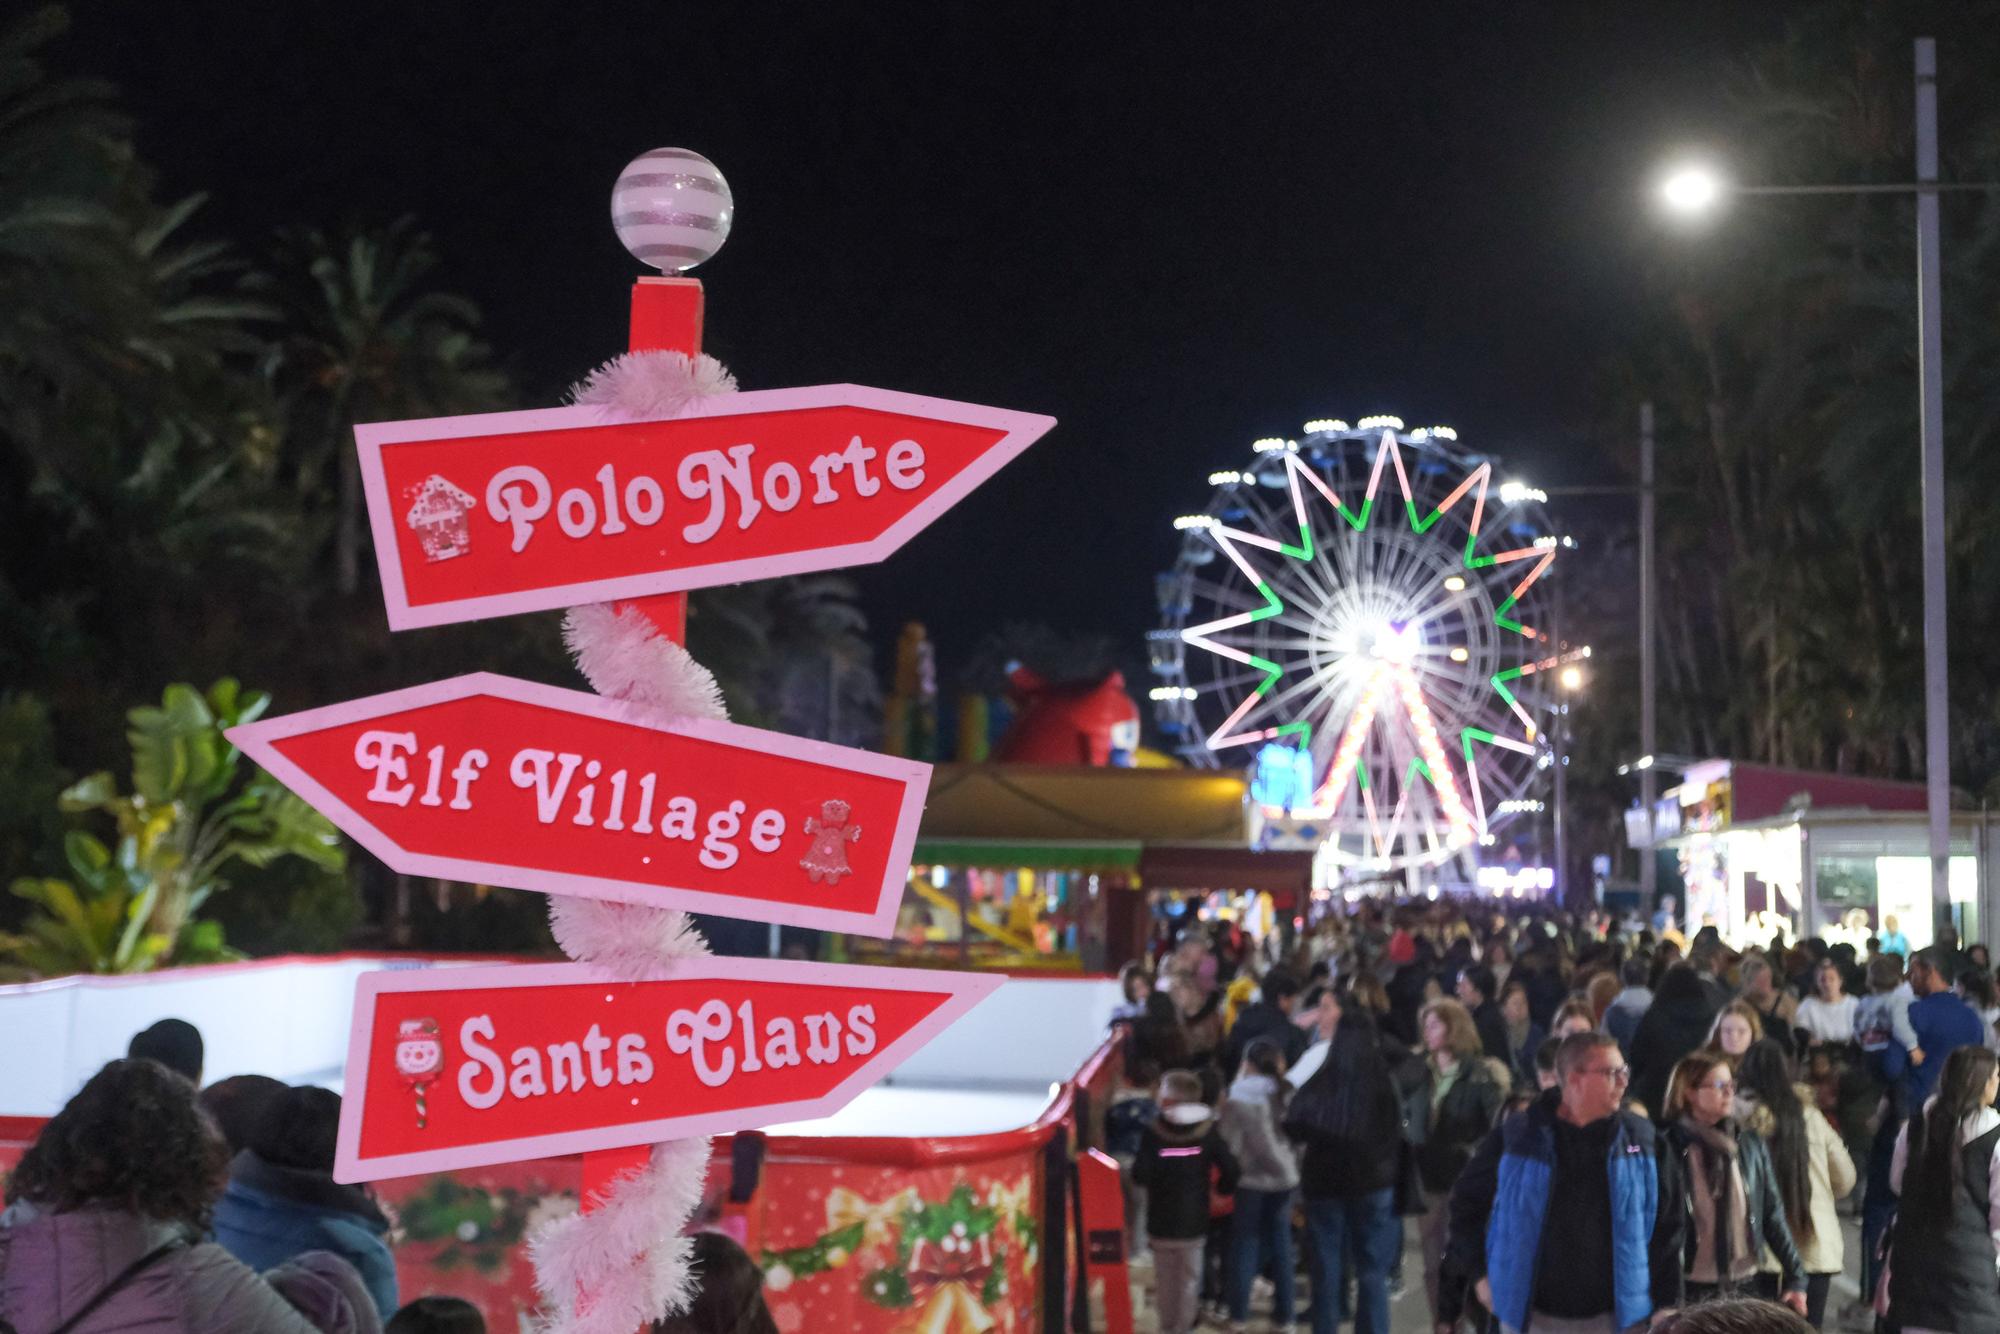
(1069, 868)
(938, 1199)
(1757, 850)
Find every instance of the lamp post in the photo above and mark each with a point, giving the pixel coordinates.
(1697, 189)
(1570, 679)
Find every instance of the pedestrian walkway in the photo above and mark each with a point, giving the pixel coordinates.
(1408, 1314)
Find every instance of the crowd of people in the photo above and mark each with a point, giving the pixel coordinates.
(1591, 1125)
(148, 1207)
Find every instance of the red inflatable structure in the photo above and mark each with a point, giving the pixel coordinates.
(1086, 722)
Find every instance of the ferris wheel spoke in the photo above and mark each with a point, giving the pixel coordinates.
(1230, 684)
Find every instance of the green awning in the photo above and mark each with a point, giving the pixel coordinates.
(1050, 855)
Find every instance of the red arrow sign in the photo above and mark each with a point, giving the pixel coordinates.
(458, 1067)
(490, 780)
(523, 511)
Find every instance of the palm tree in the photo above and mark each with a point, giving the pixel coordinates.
(791, 654)
(367, 339)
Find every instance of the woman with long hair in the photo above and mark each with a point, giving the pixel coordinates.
(1946, 1173)
(1735, 1029)
(1461, 1096)
(1828, 1014)
(1811, 1164)
(1349, 1119)
(1734, 1209)
(107, 1220)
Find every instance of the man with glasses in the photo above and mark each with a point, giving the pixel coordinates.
(1568, 1219)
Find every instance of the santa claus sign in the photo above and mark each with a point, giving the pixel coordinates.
(527, 1061)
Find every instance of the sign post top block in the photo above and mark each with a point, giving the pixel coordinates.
(507, 512)
(460, 1067)
(490, 780)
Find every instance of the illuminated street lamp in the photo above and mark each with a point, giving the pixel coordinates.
(1695, 188)
(1691, 189)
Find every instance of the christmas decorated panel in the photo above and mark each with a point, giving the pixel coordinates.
(850, 1246)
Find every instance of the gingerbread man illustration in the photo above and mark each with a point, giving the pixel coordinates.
(826, 859)
(419, 1059)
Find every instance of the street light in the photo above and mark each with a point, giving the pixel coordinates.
(1694, 188)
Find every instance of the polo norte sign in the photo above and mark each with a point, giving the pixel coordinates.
(460, 1067)
(508, 512)
(490, 780)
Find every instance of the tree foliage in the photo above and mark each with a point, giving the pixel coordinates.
(179, 490)
(129, 904)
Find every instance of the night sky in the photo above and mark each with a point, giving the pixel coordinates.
(1174, 227)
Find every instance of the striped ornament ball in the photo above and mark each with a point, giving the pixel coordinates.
(671, 208)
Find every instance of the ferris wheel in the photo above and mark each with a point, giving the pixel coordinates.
(1354, 618)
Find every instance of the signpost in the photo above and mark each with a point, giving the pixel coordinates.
(460, 1067)
(508, 512)
(487, 779)
(490, 780)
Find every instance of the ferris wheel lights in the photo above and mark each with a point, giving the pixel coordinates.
(1390, 642)
(1513, 493)
(1161, 693)
(1393, 784)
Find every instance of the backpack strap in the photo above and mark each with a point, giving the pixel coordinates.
(126, 1275)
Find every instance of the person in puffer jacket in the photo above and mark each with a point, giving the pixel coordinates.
(1260, 1229)
(106, 1218)
(282, 1199)
(1182, 1158)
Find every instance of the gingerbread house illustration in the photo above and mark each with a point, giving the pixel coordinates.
(438, 517)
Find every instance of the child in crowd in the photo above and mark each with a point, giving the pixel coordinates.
(437, 1315)
(1132, 1109)
(1884, 1013)
(1260, 1229)
(1182, 1158)
(730, 1299)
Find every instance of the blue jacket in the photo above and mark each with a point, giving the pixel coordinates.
(1499, 1212)
(268, 1214)
(1943, 1023)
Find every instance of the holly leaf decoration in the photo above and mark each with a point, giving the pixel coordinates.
(887, 1288)
(816, 1258)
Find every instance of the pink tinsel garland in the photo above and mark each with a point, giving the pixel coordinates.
(626, 1263)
